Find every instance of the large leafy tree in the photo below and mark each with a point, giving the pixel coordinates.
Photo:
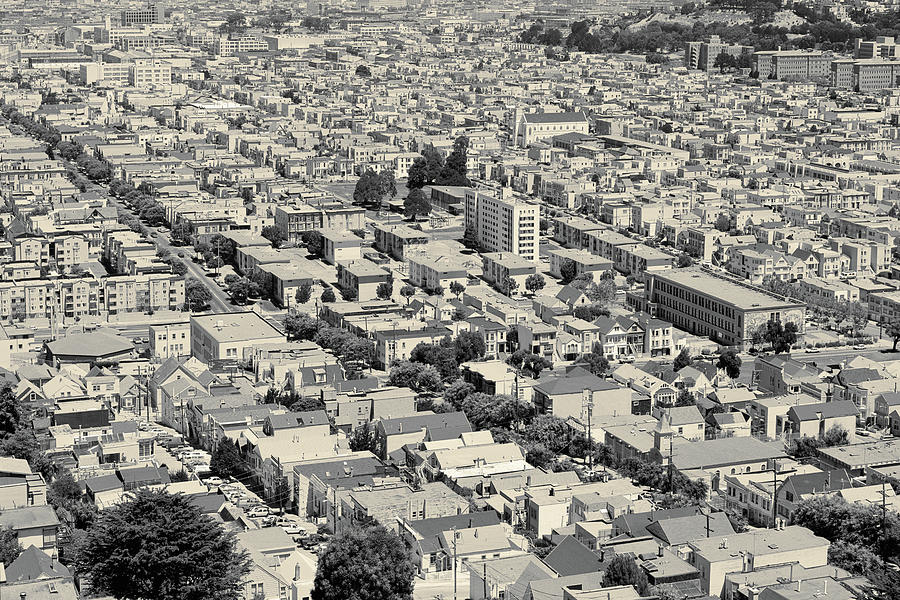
(365, 564)
(425, 169)
(624, 570)
(416, 204)
(10, 548)
(159, 546)
(454, 171)
(731, 363)
(780, 337)
(196, 296)
(682, 360)
(469, 346)
(226, 460)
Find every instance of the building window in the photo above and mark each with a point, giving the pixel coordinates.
(49, 538)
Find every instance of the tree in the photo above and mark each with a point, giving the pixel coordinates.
(415, 376)
(301, 327)
(362, 438)
(780, 337)
(892, 329)
(456, 288)
(723, 222)
(623, 570)
(425, 169)
(595, 361)
(454, 170)
(239, 288)
(470, 238)
(441, 356)
(603, 292)
(314, 242)
(304, 293)
(684, 261)
(510, 285)
(12, 413)
(369, 563)
(234, 23)
(682, 360)
(226, 459)
(535, 364)
(685, 398)
(535, 282)
(63, 489)
(731, 363)
(273, 234)
(385, 290)
(416, 204)
(363, 71)
(807, 446)
(469, 346)
(328, 295)
(369, 189)
(408, 291)
(159, 546)
(568, 270)
(10, 548)
(458, 391)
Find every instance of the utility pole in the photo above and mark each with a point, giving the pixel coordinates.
(775, 495)
(587, 404)
(883, 520)
(454, 563)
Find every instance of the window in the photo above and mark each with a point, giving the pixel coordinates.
(49, 537)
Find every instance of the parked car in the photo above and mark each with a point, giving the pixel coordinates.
(292, 529)
(213, 481)
(258, 511)
(812, 350)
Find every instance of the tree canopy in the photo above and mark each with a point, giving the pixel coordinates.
(369, 563)
(159, 546)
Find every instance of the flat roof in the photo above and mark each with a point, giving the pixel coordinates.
(740, 296)
(237, 327)
(760, 542)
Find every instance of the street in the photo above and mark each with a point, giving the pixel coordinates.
(219, 301)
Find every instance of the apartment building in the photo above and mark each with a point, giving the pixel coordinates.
(507, 272)
(801, 65)
(708, 304)
(502, 223)
(242, 44)
(400, 241)
(144, 16)
(228, 335)
(702, 55)
(142, 293)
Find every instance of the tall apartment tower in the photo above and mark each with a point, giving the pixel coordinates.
(502, 223)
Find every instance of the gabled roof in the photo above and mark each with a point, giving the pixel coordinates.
(682, 530)
(33, 564)
(569, 294)
(573, 383)
(571, 557)
(824, 410)
(810, 483)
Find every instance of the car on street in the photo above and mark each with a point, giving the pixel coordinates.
(258, 511)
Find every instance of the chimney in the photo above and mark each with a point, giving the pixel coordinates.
(799, 582)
